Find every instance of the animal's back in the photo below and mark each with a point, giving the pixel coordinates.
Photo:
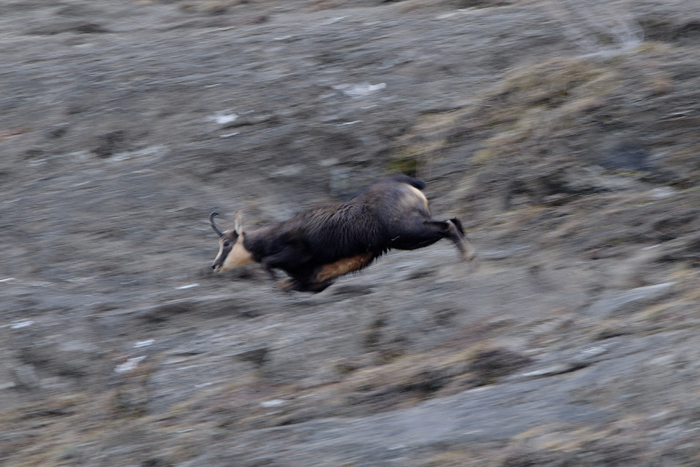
(334, 232)
(393, 180)
(396, 200)
(364, 224)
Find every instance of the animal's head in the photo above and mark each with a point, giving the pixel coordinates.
(232, 252)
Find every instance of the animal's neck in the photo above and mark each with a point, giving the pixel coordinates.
(258, 241)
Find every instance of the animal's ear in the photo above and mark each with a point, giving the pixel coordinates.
(238, 223)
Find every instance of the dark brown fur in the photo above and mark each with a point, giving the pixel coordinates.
(315, 247)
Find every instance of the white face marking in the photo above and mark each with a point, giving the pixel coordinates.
(218, 255)
(232, 252)
(238, 256)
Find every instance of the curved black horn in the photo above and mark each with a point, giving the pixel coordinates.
(213, 226)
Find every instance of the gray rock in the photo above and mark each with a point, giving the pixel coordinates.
(619, 303)
(111, 163)
(27, 377)
(255, 356)
(626, 156)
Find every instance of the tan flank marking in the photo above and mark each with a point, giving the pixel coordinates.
(344, 266)
(237, 257)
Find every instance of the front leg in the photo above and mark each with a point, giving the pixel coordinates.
(305, 286)
(287, 285)
(286, 259)
(269, 270)
(296, 285)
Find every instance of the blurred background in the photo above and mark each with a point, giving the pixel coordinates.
(564, 134)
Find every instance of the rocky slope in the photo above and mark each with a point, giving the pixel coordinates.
(565, 137)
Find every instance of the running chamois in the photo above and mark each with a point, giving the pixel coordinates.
(320, 245)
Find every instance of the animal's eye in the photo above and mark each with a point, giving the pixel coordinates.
(227, 244)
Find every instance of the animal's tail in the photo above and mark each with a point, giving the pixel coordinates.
(414, 182)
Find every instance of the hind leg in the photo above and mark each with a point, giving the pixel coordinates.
(452, 230)
(430, 231)
(455, 233)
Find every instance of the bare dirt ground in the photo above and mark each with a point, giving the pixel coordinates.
(565, 136)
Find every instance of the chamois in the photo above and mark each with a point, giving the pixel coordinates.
(315, 247)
